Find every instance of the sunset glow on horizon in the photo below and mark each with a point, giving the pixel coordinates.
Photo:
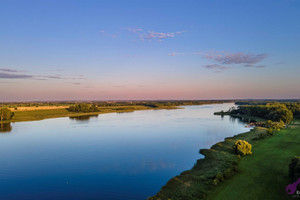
(154, 50)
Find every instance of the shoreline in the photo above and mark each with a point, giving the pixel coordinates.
(41, 114)
(221, 172)
(219, 163)
(38, 115)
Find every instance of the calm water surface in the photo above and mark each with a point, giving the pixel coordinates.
(112, 156)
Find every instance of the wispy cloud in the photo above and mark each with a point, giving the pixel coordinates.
(134, 30)
(175, 54)
(8, 70)
(225, 60)
(217, 68)
(152, 35)
(14, 76)
(51, 77)
(237, 58)
(255, 66)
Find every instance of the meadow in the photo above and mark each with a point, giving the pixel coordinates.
(264, 175)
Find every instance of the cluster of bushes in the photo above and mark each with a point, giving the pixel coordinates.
(83, 107)
(274, 126)
(294, 168)
(5, 114)
(226, 174)
(271, 111)
(242, 147)
(295, 108)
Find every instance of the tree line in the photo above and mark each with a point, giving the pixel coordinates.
(5, 114)
(271, 111)
(83, 107)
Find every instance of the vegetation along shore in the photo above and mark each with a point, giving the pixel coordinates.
(32, 111)
(262, 173)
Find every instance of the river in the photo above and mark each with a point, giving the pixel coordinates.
(111, 156)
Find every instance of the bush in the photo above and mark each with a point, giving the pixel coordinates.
(270, 131)
(294, 168)
(83, 107)
(5, 114)
(242, 147)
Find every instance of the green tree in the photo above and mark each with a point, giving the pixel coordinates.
(83, 107)
(5, 114)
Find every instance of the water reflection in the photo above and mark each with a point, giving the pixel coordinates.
(115, 156)
(83, 118)
(242, 119)
(5, 127)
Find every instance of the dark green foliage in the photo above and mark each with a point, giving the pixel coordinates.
(271, 111)
(222, 113)
(270, 131)
(5, 114)
(274, 126)
(295, 108)
(83, 107)
(294, 168)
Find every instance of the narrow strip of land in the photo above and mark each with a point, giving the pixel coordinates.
(40, 114)
(40, 111)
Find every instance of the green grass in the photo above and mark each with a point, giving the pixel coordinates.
(264, 175)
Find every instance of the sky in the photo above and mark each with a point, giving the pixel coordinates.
(149, 50)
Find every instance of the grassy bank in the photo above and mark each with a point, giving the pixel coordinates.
(223, 175)
(264, 174)
(33, 115)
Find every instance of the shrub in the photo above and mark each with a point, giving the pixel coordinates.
(294, 168)
(5, 114)
(242, 147)
(270, 131)
(83, 107)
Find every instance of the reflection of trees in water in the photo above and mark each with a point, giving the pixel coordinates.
(5, 127)
(241, 119)
(83, 118)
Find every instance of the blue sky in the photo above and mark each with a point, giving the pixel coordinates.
(99, 50)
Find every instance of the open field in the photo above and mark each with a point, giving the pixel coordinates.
(30, 108)
(264, 175)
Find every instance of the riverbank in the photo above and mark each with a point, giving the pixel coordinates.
(264, 175)
(39, 111)
(224, 175)
(40, 114)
